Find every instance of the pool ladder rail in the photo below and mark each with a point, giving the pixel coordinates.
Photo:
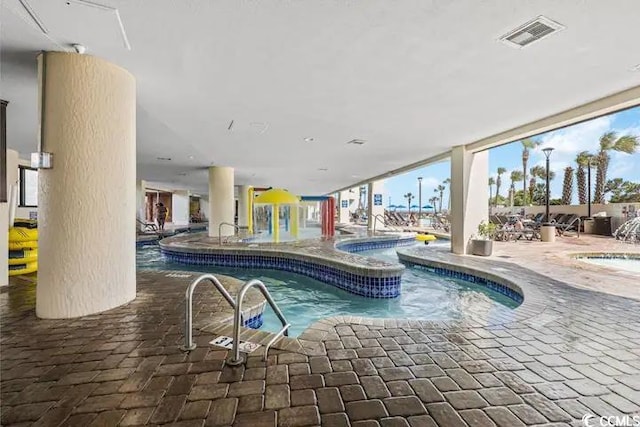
(236, 229)
(235, 357)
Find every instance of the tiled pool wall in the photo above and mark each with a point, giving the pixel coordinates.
(255, 322)
(508, 289)
(607, 255)
(366, 286)
(252, 317)
(353, 246)
(147, 242)
(373, 284)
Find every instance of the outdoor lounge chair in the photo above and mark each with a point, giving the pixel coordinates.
(570, 222)
(147, 226)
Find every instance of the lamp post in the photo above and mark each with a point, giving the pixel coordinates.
(547, 153)
(419, 198)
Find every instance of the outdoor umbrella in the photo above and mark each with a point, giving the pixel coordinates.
(401, 207)
(427, 207)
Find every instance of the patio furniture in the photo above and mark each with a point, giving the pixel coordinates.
(147, 226)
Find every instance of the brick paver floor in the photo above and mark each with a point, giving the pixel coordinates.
(580, 355)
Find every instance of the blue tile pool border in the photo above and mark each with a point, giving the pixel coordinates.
(366, 286)
(476, 280)
(369, 283)
(255, 322)
(606, 255)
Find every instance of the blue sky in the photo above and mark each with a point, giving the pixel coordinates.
(567, 143)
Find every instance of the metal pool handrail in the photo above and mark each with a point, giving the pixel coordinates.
(237, 228)
(188, 312)
(235, 358)
(377, 218)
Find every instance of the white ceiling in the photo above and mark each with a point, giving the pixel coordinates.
(413, 78)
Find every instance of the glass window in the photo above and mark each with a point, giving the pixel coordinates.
(28, 187)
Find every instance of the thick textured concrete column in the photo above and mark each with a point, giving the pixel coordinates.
(141, 189)
(87, 201)
(180, 207)
(243, 206)
(221, 200)
(343, 207)
(375, 205)
(469, 195)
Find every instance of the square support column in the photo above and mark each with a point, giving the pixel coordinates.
(343, 207)
(469, 195)
(180, 205)
(375, 205)
(243, 207)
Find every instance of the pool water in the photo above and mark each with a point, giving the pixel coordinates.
(629, 264)
(303, 300)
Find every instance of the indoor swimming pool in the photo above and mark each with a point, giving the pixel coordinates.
(425, 295)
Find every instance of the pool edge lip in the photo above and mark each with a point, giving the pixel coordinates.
(382, 281)
(606, 255)
(583, 257)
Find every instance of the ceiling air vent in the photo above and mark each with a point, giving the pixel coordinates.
(531, 32)
(357, 141)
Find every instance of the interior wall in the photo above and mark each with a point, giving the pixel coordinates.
(204, 208)
(180, 205)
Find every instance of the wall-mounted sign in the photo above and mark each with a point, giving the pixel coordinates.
(377, 199)
(344, 203)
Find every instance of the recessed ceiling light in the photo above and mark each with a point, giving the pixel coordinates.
(355, 176)
(357, 141)
(308, 139)
(323, 169)
(191, 157)
(164, 158)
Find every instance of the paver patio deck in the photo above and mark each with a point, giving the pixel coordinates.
(579, 354)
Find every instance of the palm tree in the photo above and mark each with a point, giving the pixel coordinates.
(582, 159)
(492, 182)
(610, 141)
(432, 202)
(536, 172)
(501, 170)
(447, 182)
(515, 177)
(567, 186)
(408, 196)
(440, 190)
(527, 144)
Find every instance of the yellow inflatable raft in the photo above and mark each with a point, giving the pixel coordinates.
(22, 256)
(19, 234)
(426, 238)
(23, 252)
(16, 270)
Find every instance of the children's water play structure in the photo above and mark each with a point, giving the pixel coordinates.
(277, 201)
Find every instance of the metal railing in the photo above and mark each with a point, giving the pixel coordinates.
(188, 300)
(377, 218)
(237, 228)
(235, 358)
